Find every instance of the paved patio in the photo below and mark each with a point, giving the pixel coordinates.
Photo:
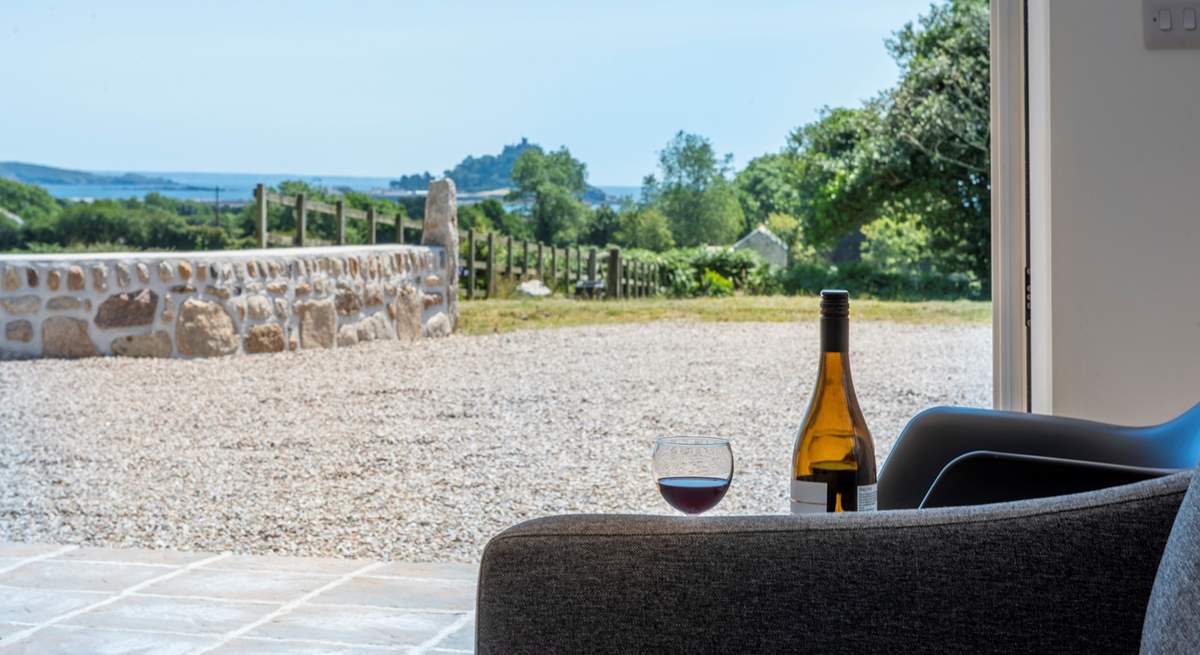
(70, 600)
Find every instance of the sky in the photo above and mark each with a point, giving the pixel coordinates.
(387, 88)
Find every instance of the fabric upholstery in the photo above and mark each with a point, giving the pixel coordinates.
(1173, 615)
(1060, 575)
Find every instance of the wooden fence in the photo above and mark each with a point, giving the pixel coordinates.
(590, 273)
(302, 205)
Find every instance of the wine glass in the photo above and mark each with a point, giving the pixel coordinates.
(693, 473)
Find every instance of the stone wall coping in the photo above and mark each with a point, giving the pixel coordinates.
(209, 255)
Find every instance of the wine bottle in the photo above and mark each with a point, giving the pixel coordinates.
(833, 461)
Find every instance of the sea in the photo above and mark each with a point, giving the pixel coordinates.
(239, 187)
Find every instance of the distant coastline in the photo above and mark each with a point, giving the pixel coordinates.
(67, 184)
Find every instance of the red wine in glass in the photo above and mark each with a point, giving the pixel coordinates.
(693, 495)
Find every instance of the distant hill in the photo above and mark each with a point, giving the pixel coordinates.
(473, 174)
(486, 173)
(37, 174)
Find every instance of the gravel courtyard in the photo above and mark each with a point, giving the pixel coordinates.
(424, 451)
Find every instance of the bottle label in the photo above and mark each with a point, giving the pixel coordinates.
(810, 497)
(867, 498)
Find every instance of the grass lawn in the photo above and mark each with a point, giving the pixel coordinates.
(489, 316)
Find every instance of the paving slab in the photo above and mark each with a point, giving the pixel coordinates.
(133, 556)
(271, 647)
(306, 565)
(61, 600)
(190, 615)
(56, 640)
(462, 639)
(360, 625)
(444, 571)
(23, 551)
(414, 594)
(266, 586)
(38, 605)
(78, 576)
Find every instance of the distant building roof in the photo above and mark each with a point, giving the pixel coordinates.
(761, 229)
(767, 245)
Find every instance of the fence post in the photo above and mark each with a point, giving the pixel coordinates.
(440, 228)
(260, 206)
(524, 258)
(508, 257)
(470, 264)
(567, 270)
(591, 266)
(301, 220)
(553, 267)
(400, 228)
(614, 273)
(578, 263)
(340, 214)
(491, 266)
(541, 276)
(371, 225)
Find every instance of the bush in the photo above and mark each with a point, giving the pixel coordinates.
(765, 281)
(715, 285)
(864, 279)
(10, 234)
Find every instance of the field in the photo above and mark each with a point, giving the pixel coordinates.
(506, 315)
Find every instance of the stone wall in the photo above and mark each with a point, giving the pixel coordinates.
(209, 304)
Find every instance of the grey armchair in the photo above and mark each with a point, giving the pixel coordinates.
(1063, 574)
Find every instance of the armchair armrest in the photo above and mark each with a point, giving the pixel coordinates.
(1064, 574)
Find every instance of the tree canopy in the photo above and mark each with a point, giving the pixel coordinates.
(699, 202)
(553, 183)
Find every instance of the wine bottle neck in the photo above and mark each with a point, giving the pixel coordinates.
(835, 335)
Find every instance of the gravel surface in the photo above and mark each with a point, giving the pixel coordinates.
(424, 451)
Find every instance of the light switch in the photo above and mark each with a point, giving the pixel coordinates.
(1166, 24)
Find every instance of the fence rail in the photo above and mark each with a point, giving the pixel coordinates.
(302, 205)
(594, 273)
(590, 273)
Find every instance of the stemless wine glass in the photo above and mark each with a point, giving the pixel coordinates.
(693, 473)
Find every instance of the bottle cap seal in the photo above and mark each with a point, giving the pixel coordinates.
(835, 303)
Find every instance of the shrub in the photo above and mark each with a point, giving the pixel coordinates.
(714, 284)
(10, 234)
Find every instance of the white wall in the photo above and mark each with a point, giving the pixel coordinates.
(1115, 204)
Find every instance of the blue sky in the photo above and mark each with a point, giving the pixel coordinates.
(385, 88)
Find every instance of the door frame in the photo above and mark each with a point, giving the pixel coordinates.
(1010, 131)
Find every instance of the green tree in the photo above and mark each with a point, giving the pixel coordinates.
(918, 150)
(768, 185)
(700, 204)
(939, 116)
(552, 182)
(31, 203)
(602, 227)
(645, 228)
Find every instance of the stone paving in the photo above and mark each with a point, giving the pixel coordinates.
(70, 600)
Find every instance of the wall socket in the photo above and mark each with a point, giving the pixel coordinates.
(1171, 25)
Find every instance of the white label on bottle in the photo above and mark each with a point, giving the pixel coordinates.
(809, 497)
(866, 498)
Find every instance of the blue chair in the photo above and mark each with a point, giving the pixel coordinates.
(951, 456)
